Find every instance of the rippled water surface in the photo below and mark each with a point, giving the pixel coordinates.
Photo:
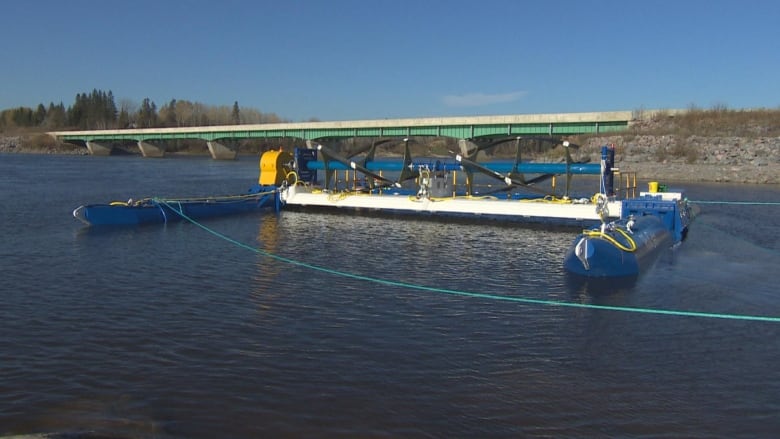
(323, 324)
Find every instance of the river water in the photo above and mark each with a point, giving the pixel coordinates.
(284, 330)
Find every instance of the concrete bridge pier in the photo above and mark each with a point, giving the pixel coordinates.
(98, 149)
(150, 150)
(222, 151)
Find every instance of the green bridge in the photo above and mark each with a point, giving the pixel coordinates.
(151, 141)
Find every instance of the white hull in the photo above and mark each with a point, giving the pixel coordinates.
(526, 210)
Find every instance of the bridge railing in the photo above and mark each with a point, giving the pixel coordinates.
(456, 127)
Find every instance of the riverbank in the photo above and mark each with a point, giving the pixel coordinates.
(38, 144)
(705, 173)
(754, 160)
(717, 145)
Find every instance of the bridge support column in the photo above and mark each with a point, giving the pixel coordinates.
(221, 151)
(149, 150)
(98, 149)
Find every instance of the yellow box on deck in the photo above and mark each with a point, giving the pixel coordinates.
(652, 186)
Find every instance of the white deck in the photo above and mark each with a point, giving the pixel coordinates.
(530, 211)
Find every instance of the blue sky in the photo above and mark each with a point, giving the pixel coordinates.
(374, 59)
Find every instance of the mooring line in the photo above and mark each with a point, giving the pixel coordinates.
(738, 203)
(469, 293)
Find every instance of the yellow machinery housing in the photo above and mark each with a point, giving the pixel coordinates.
(274, 167)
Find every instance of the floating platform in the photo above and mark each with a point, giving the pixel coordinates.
(624, 238)
(429, 186)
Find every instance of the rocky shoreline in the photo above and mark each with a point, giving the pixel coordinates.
(752, 160)
(666, 158)
(704, 173)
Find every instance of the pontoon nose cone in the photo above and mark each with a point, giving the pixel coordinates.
(583, 251)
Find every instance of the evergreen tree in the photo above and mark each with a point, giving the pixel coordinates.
(168, 114)
(110, 112)
(40, 115)
(235, 117)
(23, 117)
(97, 110)
(56, 117)
(147, 115)
(75, 112)
(123, 120)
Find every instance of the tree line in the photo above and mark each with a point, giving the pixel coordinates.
(98, 110)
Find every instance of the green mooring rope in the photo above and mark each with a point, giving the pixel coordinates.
(738, 203)
(468, 293)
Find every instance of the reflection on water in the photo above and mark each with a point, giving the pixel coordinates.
(267, 272)
(582, 288)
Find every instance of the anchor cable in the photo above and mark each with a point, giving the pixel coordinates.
(525, 300)
(738, 203)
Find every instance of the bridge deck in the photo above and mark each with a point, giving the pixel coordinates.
(457, 127)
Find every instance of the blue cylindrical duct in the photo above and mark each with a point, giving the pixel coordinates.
(451, 165)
